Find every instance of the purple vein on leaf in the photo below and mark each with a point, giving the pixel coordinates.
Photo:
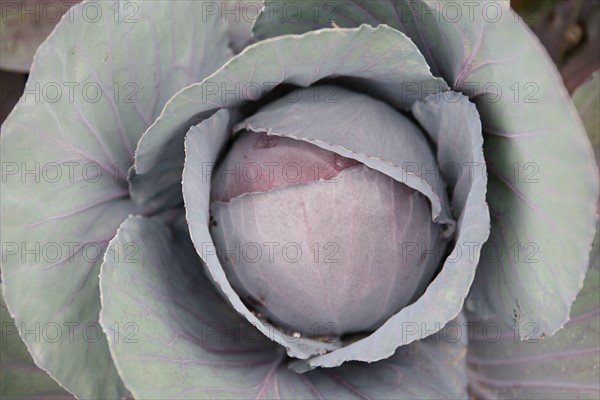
(107, 199)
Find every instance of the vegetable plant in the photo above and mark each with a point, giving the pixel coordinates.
(356, 199)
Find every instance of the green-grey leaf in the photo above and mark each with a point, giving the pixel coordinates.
(535, 145)
(95, 86)
(564, 366)
(424, 21)
(173, 336)
(379, 59)
(20, 378)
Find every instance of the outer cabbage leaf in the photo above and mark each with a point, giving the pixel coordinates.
(66, 148)
(191, 344)
(381, 59)
(564, 366)
(534, 143)
(19, 376)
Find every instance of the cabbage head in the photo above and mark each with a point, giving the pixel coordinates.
(358, 199)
